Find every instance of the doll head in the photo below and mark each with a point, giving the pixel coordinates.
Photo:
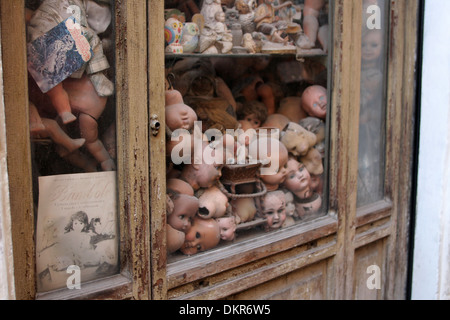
(185, 207)
(276, 120)
(205, 171)
(316, 183)
(227, 227)
(371, 47)
(274, 156)
(204, 234)
(180, 186)
(313, 161)
(243, 209)
(314, 101)
(213, 203)
(297, 179)
(175, 239)
(274, 209)
(254, 112)
(309, 206)
(180, 116)
(297, 139)
(290, 206)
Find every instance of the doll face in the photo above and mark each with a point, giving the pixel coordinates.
(298, 179)
(309, 206)
(274, 209)
(180, 116)
(227, 228)
(204, 234)
(185, 208)
(208, 174)
(314, 101)
(175, 239)
(276, 170)
(253, 120)
(213, 203)
(371, 46)
(297, 139)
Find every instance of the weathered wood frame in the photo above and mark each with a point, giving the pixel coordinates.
(145, 273)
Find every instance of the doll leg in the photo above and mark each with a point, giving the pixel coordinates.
(57, 134)
(60, 101)
(89, 130)
(78, 159)
(36, 125)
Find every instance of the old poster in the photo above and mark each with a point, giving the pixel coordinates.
(76, 228)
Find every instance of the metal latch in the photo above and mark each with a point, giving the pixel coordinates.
(155, 125)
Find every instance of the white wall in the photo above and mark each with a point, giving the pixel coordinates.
(431, 274)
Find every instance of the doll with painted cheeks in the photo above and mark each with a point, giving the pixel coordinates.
(274, 209)
(178, 114)
(255, 112)
(227, 226)
(204, 234)
(185, 207)
(298, 179)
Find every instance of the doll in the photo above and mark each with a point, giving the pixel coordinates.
(290, 205)
(48, 15)
(270, 24)
(213, 203)
(298, 179)
(190, 37)
(178, 114)
(227, 225)
(274, 209)
(274, 156)
(244, 209)
(311, 13)
(255, 112)
(251, 88)
(185, 207)
(249, 44)
(202, 172)
(276, 120)
(174, 239)
(179, 186)
(246, 15)
(297, 139)
(306, 208)
(209, 9)
(204, 234)
(314, 101)
(49, 128)
(313, 161)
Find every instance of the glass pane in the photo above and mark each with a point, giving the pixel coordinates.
(72, 129)
(372, 112)
(247, 80)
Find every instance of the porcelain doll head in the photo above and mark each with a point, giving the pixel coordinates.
(255, 112)
(204, 234)
(185, 207)
(174, 239)
(243, 209)
(274, 209)
(179, 186)
(213, 203)
(297, 139)
(98, 15)
(371, 48)
(290, 206)
(309, 206)
(297, 179)
(274, 156)
(314, 101)
(227, 226)
(205, 171)
(316, 183)
(180, 116)
(276, 120)
(313, 162)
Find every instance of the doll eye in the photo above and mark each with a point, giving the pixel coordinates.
(199, 247)
(315, 105)
(197, 235)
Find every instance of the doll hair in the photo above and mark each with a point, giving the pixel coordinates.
(253, 107)
(80, 216)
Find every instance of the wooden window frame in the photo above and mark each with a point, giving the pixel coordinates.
(144, 271)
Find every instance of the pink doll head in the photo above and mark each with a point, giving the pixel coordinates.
(314, 101)
(274, 156)
(371, 48)
(175, 239)
(274, 209)
(297, 179)
(297, 139)
(308, 207)
(313, 161)
(290, 206)
(180, 116)
(213, 203)
(227, 228)
(204, 234)
(185, 207)
(244, 209)
(276, 120)
(179, 186)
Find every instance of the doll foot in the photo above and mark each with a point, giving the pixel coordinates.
(67, 117)
(108, 165)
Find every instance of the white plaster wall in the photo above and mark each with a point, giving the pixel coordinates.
(431, 274)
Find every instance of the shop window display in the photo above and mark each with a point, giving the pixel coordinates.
(255, 75)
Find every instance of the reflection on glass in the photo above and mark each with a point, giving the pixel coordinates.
(72, 128)
(372, 112)
(247, 78)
